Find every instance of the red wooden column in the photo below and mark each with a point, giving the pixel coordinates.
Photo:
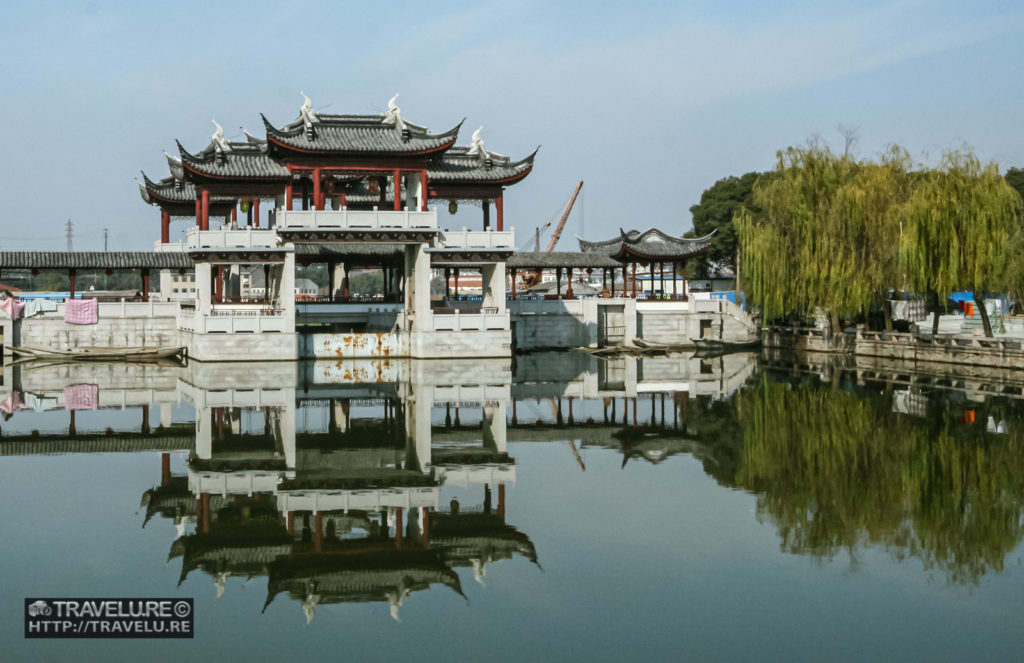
(205, 501)
(501, 500)
(165, 469)
(145, 419)
(423, 191)
(513, 283)
(499, 208)
(675, 282)
(634, 280)
(206, 209)
(234, 214)
(684, 281)
(289, 194)
(568, 287)
(145, 285)
(71, 279)
(317, 202)
(291, 523)
(398, 190)
(199, 212)
(165, 227)
(256, 212)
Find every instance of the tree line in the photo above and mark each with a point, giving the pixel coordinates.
(828, 231)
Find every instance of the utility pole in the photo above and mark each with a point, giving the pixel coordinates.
(106, 234)
(68, 231)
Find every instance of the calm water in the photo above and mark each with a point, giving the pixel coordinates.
(554, 508)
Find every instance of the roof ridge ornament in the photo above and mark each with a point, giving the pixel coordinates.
(476, 147)
(394, 114)
(218, 138)
(307, 113)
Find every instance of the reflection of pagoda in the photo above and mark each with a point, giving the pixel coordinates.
(358, 571)
(477, 538)
(330, 486)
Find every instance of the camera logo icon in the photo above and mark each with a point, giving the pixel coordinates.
(39, 609)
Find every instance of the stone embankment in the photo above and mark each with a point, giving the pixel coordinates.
(1005, 352)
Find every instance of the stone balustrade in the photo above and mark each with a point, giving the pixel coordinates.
(356, 219)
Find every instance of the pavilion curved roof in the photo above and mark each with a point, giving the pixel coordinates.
(651, 243)
(462, 164)
(168, 189)
(359, 134)
(246, 160)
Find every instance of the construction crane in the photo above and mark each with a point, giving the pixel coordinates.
(531, 279)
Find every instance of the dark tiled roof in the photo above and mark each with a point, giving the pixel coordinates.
(169, 189)
(25, 445)
(247, 160)
(460, 165)
(540, 259)
(94, 260)
(361, 134)
(650, 243)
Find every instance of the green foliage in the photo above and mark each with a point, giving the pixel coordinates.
(315, 273)
(1015, 178)
(827, 233)
(366, 283)
(960, 221)
(838, 470)
(838, 234)
(715, 212)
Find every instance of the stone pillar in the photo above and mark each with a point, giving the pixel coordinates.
(495, 430)
(493, 282)
(204, 432)
(417, 291)
(287, 292)
(204, 288)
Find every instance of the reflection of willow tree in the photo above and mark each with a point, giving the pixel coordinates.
(835, 469)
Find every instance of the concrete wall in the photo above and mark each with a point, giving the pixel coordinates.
(242, 347)
(557, 324)
(121, 324)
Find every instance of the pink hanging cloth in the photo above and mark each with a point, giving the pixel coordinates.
(13, 307)
(81, 396)
(82, 311)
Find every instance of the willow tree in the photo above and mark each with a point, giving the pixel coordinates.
(962, 221)
(827, 234)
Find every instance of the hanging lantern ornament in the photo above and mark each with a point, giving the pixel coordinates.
(453, 206)
(109, 272)
(246, 202)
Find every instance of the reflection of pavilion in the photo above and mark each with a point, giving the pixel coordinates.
(328, 482)
(327, 477)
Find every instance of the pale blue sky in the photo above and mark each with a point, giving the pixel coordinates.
(649, 103)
